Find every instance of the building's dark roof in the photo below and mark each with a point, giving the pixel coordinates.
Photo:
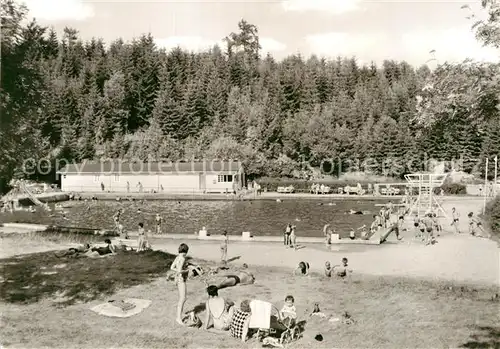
(124, 167)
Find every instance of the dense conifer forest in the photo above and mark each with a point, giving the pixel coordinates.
(62, 97)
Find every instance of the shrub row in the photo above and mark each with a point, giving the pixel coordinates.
(452, 189)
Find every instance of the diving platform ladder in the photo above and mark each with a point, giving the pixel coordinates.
(426, 200)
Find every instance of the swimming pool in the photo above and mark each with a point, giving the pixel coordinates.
(261, 217)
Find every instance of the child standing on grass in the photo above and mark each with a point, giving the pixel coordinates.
(223, 248)
(179, 266)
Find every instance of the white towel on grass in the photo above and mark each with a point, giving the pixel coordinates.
(261, 314)
(109, 309)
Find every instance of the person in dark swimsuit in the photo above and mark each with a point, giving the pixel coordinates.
(242, 277)
(286, 237)
(108, 249)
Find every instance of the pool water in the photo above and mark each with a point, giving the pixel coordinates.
(261, 217)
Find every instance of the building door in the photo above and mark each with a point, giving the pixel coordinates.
(203, 184)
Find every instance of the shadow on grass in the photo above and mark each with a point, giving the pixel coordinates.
(486, 337)
(30, 278)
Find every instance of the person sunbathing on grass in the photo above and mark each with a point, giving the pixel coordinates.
(241, 277)
(108, 249)
(74, 251)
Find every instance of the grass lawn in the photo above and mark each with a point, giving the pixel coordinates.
(46, 302)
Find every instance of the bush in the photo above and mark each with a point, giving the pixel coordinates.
(452, 189)
(492, 216)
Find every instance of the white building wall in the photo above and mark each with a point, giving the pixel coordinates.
(119, 183)
(213, 185)
(83, 182)
(187, 183)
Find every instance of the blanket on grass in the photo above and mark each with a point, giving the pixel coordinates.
(122, 308)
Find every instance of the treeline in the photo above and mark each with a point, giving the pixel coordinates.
(66, 98)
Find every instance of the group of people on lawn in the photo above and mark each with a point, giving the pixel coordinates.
(222, 314)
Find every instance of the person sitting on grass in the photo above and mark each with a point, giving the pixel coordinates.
(289, 313)
(218, 310)
(302, 269)
(238, 327)
(342, 269)
(105, 250)
(328, 269)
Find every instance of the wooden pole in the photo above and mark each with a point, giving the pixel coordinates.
(485, 186)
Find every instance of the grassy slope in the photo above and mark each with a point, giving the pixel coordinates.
(389, 312)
